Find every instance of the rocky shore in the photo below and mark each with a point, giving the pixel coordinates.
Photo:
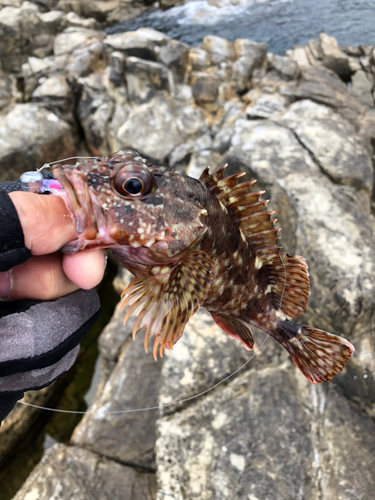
(304, 126)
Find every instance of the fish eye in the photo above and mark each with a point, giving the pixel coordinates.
(133, 183)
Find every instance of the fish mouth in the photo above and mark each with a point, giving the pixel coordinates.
(85, 210)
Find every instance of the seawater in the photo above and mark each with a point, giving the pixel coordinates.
(280, 23)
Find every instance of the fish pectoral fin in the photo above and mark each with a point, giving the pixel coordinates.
(165, 299)
(235, 328)
(319, 355)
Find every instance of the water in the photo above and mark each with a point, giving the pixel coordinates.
(280, 23)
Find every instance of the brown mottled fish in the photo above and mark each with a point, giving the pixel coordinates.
(190, 243)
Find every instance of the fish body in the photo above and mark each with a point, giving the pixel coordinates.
(190, 243)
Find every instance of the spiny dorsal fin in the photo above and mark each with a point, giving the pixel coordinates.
(287, 276)
(255, 223)
(166, 299)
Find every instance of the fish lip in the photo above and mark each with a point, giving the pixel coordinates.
(79, 201)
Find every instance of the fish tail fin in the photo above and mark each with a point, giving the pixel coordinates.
(319, 355)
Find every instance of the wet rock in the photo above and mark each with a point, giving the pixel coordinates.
(362, 85)
(133, 384)
(32, 135)
(144, 78)
(207, 452)
(334, 58)
(70, 472)
(147, 124)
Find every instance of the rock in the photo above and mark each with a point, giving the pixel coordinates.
(76, 21)
(324, 87)
(362, 88)
(200, 160)
(36, 70)
(54, 21)
(99, 430)
(265, 107)
(56, 95)
(70, 472)
(219, 50)
(175, 56)
(300, 56)
(284, 67)
(198, 59)
(32, 135)
(249, 56)
(8, 93)
(95, 109)
(146, 124)
(86, 59)
(144, 43)
(98, 9)
(205, 88)
(332, 142)
(21, 34)
(334, 58)
(144, 78)
(206, 451)
(72, 38)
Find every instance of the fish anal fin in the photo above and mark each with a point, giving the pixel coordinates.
(236, 329)
(165, 299)
(319, 355)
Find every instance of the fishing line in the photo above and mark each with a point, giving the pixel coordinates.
(282, 295)
(47, 165)
(159, 407)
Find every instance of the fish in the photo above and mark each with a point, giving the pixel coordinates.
(190, 243)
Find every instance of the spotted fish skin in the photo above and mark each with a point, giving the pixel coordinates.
(190, 243)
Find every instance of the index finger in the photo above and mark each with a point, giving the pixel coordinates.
(46, 221)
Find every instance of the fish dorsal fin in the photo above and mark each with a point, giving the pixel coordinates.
(235, 328)
(255, 223)
(286, 276)
(166, 299)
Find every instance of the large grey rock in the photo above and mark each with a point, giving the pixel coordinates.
(144, 78)
(324, 87)
(95, 109)
(31, 135)
(22, 33)
(144, 43)
(219, 49)
(362, 86)
(133, 385)
(72, 38)
(333, 143)
(334, 58)
(268, 434)
(151, 129)
(249, 56)
(70, 472)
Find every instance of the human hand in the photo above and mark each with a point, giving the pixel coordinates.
(47, 225)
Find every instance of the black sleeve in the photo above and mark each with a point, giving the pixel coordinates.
(39, 340)
(12, 242)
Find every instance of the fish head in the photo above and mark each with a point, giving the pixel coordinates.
(144, 213)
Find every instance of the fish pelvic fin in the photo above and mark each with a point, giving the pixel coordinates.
(319, 355)
(236, 329)
(165, 299)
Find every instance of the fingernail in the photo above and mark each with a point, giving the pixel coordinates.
(4, 285)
